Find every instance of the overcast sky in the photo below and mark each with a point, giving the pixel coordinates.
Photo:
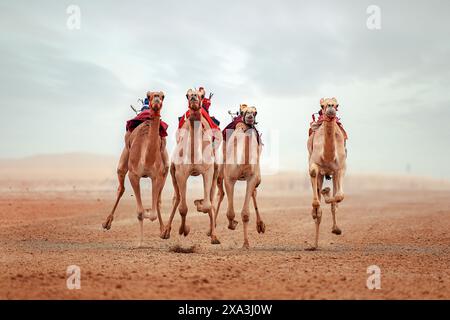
(65, 90)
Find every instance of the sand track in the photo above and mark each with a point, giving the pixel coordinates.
(404, 233)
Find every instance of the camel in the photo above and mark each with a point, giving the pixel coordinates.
(327, 158)
(194, 155)
(144, 155)
(241, 166)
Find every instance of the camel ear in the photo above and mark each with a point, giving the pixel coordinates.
(322, 101)
(188, 93)
(162, 95)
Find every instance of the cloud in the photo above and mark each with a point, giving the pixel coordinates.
(65, 90)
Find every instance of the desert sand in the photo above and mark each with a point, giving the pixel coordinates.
(400, 224)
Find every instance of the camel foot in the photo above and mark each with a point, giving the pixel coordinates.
(232, 224)
(198, 204)
(260, 227)
(325, 191)
(338, 197)
(336, 231)
(214, 240)
(246, 245)
(184, 231)
(326, 195)
(165, 234)
(107, 224)
(150, 215)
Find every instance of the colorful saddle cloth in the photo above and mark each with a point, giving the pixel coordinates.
(205, 114)
(315, 124)
(232, 126)
(142, 117)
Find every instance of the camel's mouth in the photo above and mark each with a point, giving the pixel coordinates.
(156, 106)
(194, 104)
(250, 120)
(330, 112)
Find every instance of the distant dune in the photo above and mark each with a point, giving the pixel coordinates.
(82, 166)
(84, 171)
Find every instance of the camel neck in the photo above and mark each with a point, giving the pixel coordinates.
(329, 148)
(195, 137)
(153, 133)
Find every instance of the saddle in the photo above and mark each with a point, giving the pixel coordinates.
(205, 114)
(142, 117)
(315, 125)
(234, 123)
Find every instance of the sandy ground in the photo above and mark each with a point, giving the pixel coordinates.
(406, 234)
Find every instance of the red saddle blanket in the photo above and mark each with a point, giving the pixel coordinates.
(142, 117)
(205, 114)
(232, 126)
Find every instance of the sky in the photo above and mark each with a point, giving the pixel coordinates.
(69, 90)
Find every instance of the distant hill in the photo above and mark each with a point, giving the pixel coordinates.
(85, 171)
(78, 166)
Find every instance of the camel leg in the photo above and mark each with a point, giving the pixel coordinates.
(314, 173)
(335, 229)
(316, 210)
(220, 196)
(245, 214)
(134, 180)
(157, 185)
(229, 189)
(339, 193)
(260, 226)
(183, 209)
(122, 170)
(175, 203)
(206, 205)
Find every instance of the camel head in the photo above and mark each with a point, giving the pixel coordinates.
(249, 116)
(195, 98)
(329, 107)
(155, 101)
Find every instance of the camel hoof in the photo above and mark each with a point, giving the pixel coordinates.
(232, 225)
(338, 197)
(184, 231)
(260, 227)
(165, 234)
(214, 240)
(336, 231)
(150, 215)
(246, 245)
(106, 225)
